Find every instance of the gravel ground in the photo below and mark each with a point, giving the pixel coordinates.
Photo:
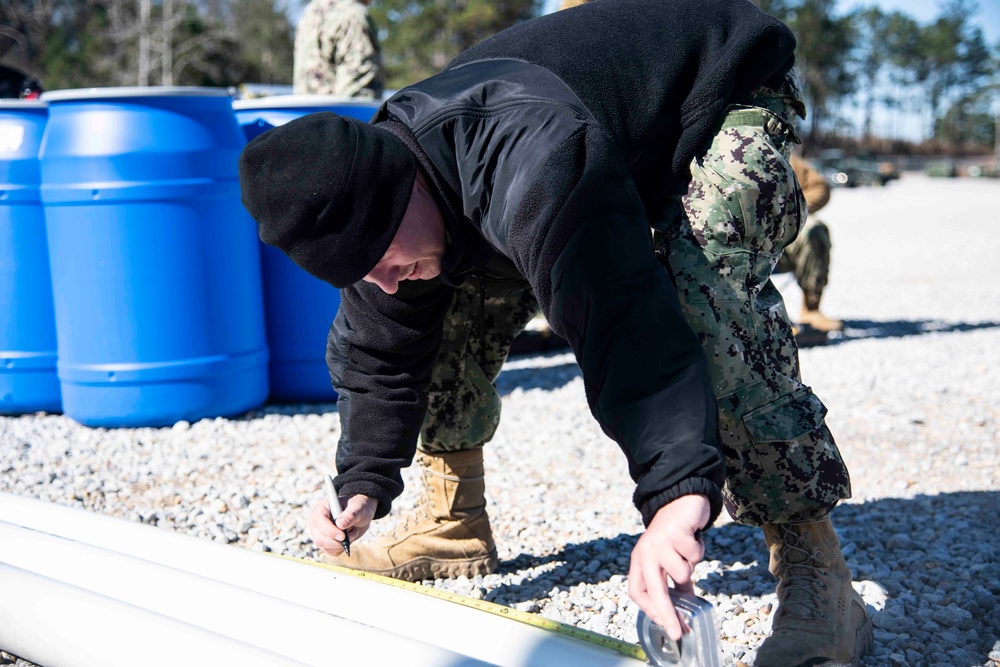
(913, 391)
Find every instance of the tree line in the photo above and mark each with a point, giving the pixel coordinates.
(861, 71)
(944, 70)
(96, 43)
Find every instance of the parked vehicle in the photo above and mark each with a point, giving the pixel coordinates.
(842, 170)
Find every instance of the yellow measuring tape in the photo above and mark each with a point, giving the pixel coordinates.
(622, 647)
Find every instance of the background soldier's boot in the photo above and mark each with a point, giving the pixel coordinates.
(821, 619)
(812, 315)
(448, 535)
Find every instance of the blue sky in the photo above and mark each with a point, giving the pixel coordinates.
(923, 11)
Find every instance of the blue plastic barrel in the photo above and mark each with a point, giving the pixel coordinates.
(28, 380)
(298, 307)
(155, 267)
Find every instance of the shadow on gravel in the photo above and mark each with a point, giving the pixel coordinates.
(936, 557)
(545, 378)
(865, 329)
(590, 562)
(596, 561)
(929, 563)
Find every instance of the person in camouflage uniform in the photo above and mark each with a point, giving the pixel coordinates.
(658, 276)
(337, 51)
(808, 256)
(729, 302)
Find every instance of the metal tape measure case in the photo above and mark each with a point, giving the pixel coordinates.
(698, 648)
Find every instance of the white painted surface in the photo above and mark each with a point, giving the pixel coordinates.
(145, 582)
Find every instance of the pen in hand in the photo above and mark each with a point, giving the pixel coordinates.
(336, 510)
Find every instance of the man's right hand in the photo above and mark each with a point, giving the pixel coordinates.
(355, 520)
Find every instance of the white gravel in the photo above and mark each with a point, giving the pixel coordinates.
(913, 390)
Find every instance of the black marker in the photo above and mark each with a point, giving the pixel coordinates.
(336, 510)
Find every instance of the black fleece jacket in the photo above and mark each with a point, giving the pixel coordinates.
(548, 146)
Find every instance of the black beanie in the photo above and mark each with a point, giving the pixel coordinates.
(329, 191)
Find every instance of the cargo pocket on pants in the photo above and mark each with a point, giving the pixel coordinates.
(788, 447)
(787, 418)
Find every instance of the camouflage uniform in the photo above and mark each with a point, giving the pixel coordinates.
(337, 51)
(720, 242)
(463, 406)
(808, 256)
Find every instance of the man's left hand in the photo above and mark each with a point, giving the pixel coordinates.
(668, 550)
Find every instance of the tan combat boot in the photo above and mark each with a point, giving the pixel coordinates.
(812, 315)
(448, 534)
(821, 619)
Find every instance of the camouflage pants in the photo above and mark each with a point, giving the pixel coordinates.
(463, 405)
(720, 243)
(808, 256)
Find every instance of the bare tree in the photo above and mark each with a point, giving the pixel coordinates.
(26, 26)
(871, 58)
(16, 49)
(145, 7)
(167, 44)
(124, 28)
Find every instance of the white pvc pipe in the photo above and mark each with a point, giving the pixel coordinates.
(51, 623)
(454, 629)
(190, 607)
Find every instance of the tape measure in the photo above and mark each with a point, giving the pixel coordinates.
(617, 645)
(697, 648)
(661, 649)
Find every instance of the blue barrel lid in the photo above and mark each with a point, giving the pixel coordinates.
(300, 101)
(133, 91)
(14, 105)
